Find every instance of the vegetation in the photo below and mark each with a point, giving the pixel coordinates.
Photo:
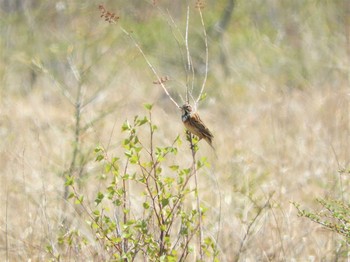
(142, 211)
(75, 187)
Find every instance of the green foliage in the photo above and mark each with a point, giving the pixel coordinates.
(153, 222)
(335, 216)
(69, 240)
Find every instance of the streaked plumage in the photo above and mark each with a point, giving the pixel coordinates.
(195, 125)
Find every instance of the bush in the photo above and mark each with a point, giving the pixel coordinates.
(146, 210)
(335, 216)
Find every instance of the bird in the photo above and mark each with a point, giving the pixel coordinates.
(195, 125)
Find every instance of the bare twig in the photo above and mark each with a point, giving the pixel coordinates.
(61, 86)
(77, 131)
(91, 216)
(250, 227)
(340, 170)
(6, 226)
(179, 44)
(112, 18)
(199, 213)
(125, 216)
(188, 64)
(189, 67)
(206, 56)
(220, 209)
(159, 79)
(194, 171)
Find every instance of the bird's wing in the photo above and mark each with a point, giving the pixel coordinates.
(196, 121)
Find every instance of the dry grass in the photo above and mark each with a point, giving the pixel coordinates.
(274, 138)
(288, 144)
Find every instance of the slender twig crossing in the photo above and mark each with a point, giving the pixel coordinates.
(159, 79)
(206, 56)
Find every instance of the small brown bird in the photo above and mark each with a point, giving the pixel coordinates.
(195, 125)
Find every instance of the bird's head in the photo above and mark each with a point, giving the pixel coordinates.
(186, 109)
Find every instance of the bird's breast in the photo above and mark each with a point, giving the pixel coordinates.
(184, 118)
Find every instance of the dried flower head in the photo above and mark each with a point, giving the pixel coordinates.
(200, 4)
(109, 17)
(161, 80)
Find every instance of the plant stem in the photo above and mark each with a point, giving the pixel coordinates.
(194, 170)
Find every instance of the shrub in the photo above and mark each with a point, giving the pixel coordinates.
(146, 210)
(335, 216)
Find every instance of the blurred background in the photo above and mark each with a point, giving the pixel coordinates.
(277, 103)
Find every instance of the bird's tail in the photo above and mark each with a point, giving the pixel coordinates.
(210, 142)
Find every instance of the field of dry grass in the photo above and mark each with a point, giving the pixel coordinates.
(278, 104)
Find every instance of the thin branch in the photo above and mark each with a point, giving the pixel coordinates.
(189, 59)
(90, 214)
(101, 116)
(340, 173)
(74, 69)
(250, 227)
(199, 212)
(6, 225)
(149, 190)
(188, 68)
(194, 171)
(186, 39)
(150, 65)
(125, 216)
(185, 248)
(173, 25)
(206, 56)
(220, 210)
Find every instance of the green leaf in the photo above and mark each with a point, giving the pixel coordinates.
(154, 128)
(185, 171)
(98, 149)
(174, 167)
(128, 154)
(79, 200)
(117, 202)
(178, 140)
(49, 249)
(108, 168)
(203, 97)
(145, 205)
(99, 198)
(136, 140)
(148, 106)
(71, 195)
(116, 240)
(126, 126)
(170, 258)
(126, 141)
(138, 148)
(169, 180)
(134, 159)
(99, 158)
(165, 202)
(142, 121)
(69, 181)
(142, 180)
(96, 213)
(94, 226)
